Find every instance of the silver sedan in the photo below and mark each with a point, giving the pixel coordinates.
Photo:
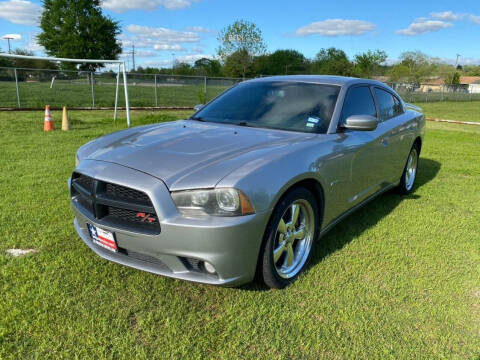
(248, 183)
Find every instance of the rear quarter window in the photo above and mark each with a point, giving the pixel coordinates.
(388, 105)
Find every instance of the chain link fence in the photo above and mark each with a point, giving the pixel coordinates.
(34, 88)
(424, 93)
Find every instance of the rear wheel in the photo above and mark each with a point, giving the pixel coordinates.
(289, 237)
(410, 172)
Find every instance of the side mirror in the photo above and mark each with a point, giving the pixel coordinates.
(198, 107)
(361, 122)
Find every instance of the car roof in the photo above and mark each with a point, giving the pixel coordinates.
(319, 79)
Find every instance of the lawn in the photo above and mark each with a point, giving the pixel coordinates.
(37, 95)
(450, 110)
(399, 279)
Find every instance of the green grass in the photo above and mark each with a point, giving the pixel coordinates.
(399, 279)
(37, 95)
(450, 110)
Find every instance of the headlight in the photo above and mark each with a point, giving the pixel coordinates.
(77, 160)
(218, 202)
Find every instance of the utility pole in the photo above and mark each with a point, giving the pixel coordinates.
(456, 64)
(133, 56)
(8, 39)
(173, 62)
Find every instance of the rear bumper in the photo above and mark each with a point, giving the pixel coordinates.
(231, 245)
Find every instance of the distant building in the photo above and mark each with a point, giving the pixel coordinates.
(432, 85)
(473, 83)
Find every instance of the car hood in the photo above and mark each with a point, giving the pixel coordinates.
(189, 154)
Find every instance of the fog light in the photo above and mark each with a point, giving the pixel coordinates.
(209, 268)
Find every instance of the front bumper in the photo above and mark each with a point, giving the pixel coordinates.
(231, 245)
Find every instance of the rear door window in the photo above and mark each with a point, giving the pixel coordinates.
(359, 101)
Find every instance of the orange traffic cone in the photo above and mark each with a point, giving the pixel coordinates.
(48, 124)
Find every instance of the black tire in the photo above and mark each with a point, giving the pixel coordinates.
(305, 200)
(406, 187)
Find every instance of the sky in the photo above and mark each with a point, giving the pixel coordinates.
(164, 31)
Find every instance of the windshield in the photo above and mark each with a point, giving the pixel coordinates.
(282, 105)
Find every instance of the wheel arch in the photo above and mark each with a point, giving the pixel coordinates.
(315, 187)
(310, 183)
(418, 143)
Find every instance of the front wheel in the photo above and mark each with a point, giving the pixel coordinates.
(410, 172)
(289, 237)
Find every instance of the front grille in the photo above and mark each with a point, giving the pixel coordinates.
(114, 205)
(86, 182)
(127, 193)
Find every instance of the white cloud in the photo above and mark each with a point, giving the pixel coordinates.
(152, 36)
(20, 12)
(157, 63)
(198, 48)
(12, 36)
(422, 25)
(453, 61)
(336, 27)
(200, 29)
(447, 15)
(33, 45)
(126, 5)
(140, 53)
(168, 47)
(475, 19)
(192, 58)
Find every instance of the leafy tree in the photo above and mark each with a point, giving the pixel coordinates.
(243, 40)
(78, 29)
(208, 67)
(281, 62)
(32, 64)
(182, 68)
(367, 63)
(235, 65)
(332, 61)
(398, 72)
(419, 66)
(4, 62)
(471, 70)
(453, 78)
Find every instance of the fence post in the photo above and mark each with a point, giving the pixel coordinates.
(205, 87)
(116, 94)
(127, 100)
(156, 94)
(93, 90)
(16, 85)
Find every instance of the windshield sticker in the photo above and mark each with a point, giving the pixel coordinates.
(312, 122)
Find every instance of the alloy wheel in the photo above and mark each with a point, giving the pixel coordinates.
(293, 239)
(411, 170)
